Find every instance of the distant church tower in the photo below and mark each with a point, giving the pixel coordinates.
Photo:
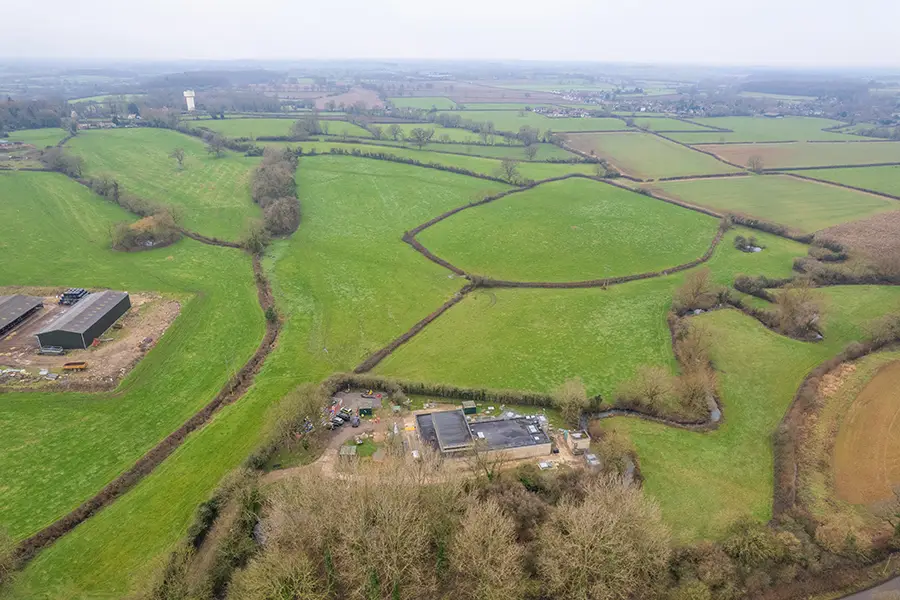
(189, 98)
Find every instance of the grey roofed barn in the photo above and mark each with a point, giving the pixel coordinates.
(505, 434)
(85, 321)
(15, 309)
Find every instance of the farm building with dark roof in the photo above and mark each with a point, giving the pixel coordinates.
(85, 321)
(15, 309)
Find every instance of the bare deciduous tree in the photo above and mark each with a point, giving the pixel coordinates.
(610, 545)
(215, 145)
(377, 132)
(531, 151)
(421, 136)
(488, 535)
(698, 291)
(509, 170)
(178, 155)
(798, 309)
(571, 400)
(755, 163)
(396, 132)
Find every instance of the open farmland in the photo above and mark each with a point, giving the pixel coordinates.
(450, 134)
(253, 128)
(77, 442)
(802, 205)
(334, 298)
(512, 121)
(424, 102)
(867, 450)
(697, 477)
(570, 230)
(795, 156)
(763, 129)
(211, 195)
(40, 138)
(646, 156)
(879, 179)
(666, 124)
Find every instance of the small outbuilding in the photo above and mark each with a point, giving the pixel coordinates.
(469, 407)
(86, 321)
(578, 441)
(15, 309)
(365, 407)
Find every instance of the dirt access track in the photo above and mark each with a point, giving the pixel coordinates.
(141, 327)
(867, 452)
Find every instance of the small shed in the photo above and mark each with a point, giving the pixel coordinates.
(578, 441)
(348, 453)
(365, 407)
(469, 407)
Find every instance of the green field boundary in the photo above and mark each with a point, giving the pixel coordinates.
(841, 185)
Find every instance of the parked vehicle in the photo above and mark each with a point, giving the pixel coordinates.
(342, 417)
(337, 422)
(354, 421)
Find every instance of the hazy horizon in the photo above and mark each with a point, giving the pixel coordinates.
(701, 32)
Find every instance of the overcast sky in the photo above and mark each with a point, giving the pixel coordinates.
(754, 32)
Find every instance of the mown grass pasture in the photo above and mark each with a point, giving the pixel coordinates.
(764, 129)
(794, 156)
(39, 138)
(878, 179)
(211, 195)
(646, 156)
(254, 128)
(704, 482)
(339, 302)
(801, 205)
(544, 152)
(423, 102)
(441, 134)
(512, 121)
(666, 124)
(72, 444)
(570, 230)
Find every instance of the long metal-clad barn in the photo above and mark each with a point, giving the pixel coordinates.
(15, 309)
(85, 321)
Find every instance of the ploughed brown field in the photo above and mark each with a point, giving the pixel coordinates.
(877, 238)
(804, 154)
(867, 452)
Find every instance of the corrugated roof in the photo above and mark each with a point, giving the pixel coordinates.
(13, 307)
(88, 311)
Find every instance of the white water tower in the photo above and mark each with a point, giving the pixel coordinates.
(189, 98)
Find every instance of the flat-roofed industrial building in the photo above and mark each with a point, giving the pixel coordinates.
(15, 309)
(86, 321)
(450, 433)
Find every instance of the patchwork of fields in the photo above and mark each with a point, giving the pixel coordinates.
(646, 156)
(253, 128)
(570, 230)
(345, 285)
(802, 205)
(799, 155)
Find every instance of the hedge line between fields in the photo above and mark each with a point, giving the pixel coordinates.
(785, 437)
(235, 388)
(856, 166)
(843, 185)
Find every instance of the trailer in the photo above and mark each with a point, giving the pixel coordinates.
(78, 365)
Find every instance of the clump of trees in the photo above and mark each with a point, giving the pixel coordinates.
(571, 399)
(307, 126)
(57, 159)
(798, 309)
(154, 231)
(273, 188)
(697, 293)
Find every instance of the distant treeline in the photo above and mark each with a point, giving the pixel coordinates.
(31, 114)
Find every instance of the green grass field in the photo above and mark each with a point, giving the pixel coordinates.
(762, 129)
(666, 124)
(536, 339)
(60, 448)
(570, 230)
(212, 195)
(253, 128)
(40, 138)
(452, 134)
(340, 301)
(802, 205)
(476, 164)
(498, 150)
(878, 179)
(423, 102)
(704, 482)
(473, 106)
(647, 156)
(507, 120)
